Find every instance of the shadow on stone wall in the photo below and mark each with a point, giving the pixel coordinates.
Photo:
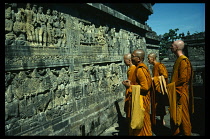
(122, 128)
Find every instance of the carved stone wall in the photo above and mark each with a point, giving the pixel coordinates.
(63, 73)
(195, 50)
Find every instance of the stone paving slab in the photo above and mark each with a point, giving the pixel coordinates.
(119, 128)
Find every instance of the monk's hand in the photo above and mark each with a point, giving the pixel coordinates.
(126, 83)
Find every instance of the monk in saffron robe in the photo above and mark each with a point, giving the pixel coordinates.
(182, 76)
(130, 71)
(141, 77)
(159, 98)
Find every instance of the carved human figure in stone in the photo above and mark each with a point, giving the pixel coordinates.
(75, 23)
(56, 28)
(63, 30)
(29, 24)
(92, 32)
(9, 35)
(120, 34)
(8, 20)
(81, 27)
(11, 6)
(110, 39)
(19, 28)
(88, 32)
(101, 33)
(114, 42)
(86, 37)
(112, 36)
(138, 42)
(134, 40)
(36, 31)
(49, 27)
(93, 73)
(112, 32)
(103, 80)
(41, 26)
(63, 36)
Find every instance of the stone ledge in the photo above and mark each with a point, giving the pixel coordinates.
(118, 15)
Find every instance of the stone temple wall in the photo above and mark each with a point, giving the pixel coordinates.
(195, 50)
(63, 73)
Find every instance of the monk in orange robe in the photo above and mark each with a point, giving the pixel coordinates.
(182, 75)
(130, 71)
(159, 98)
(141, 77)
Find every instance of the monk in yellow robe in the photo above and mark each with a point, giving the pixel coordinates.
(182, 76)
(130, 71)
(141, 77)
(159, 98)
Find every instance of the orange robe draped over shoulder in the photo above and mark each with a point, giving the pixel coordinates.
(142, 77)
(158, 99)
(127, 105)
(182, 75)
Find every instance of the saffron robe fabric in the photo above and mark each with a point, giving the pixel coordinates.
(127, 105)
(130, 72)
(163, 85)
(175, 113)
(137, 109)
(182, 75)
(142, 77)
(158, 98)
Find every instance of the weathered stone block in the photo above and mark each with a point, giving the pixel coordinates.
(11, 110)
(60, 125)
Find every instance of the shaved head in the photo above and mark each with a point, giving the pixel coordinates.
(137, 56)
(177, 47)
(140, 53)
(179, 44)
(127, 56)
(153, 55)
(127, 59)
(152, 58)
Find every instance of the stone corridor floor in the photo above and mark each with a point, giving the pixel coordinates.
(119, 128)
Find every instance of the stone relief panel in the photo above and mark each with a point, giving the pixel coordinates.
(196, 52)
(32, 92)
(30, 26)
(58, 64)
(36, 36)
(171, 56)
(198, 78)
(9, 22)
